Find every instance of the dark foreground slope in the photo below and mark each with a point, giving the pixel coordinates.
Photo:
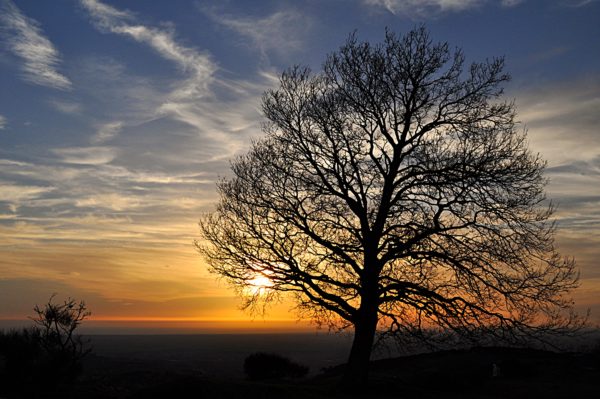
(519, 373)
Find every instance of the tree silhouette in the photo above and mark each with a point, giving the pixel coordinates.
(57, 324)
(393, 190)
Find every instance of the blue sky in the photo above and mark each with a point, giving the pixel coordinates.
(117, 118)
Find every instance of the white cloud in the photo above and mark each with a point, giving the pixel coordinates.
(15, 193)
(196, 98)
(66, 107)
(578, 3)
(432, 8)
(424, 8)
(190, 60)
(160, 175)
(105, 13)
(563, 120)
(21, 171)
(86, 155)
(158, 178)
(107, 132)
(511, 3)
(2, 122)
(113, 201)
(281, 31)
(153, 206)
(26, 40)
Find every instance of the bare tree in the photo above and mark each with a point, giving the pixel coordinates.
(57, 324)
(393, 190)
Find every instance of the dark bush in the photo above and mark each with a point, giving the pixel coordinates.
(263, 366)
(21, 352)
(27, 369)
(35, 361)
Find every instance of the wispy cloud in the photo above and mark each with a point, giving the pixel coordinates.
(562, 122)
(26, 40)
(511, 3)
(86, 155)
(2, 122)
(143, 173)
(107, 132)
(82, 183)
(547, 54)
(119, 93)
(190, 60)
(433, 8)
(66, 107)
(563, 119)
(282, 31)
(114, 201)
(222, 111)
(15, 193)
(578, 3)
(424, 8)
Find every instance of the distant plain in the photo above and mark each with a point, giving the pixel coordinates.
(217, 354)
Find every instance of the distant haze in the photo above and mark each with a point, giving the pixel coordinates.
(166, 327)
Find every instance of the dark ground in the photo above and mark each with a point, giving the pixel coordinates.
(219, 355)
(211, 367)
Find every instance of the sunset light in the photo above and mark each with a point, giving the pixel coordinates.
(292, 199)
(259, 285)
(117, 121)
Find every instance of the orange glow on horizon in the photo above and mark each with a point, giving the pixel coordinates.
(186, 319)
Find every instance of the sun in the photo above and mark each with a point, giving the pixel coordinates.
(259, 285)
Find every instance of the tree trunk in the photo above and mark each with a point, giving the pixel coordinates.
(357, 369)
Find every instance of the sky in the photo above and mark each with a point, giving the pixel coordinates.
(118, 117)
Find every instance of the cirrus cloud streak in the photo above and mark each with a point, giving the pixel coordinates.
(27, 41)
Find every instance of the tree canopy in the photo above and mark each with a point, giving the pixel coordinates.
(393, 189)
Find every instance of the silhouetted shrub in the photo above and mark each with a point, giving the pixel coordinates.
(263, 366)
(36, 360)
(21, 352)
(57, 324)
